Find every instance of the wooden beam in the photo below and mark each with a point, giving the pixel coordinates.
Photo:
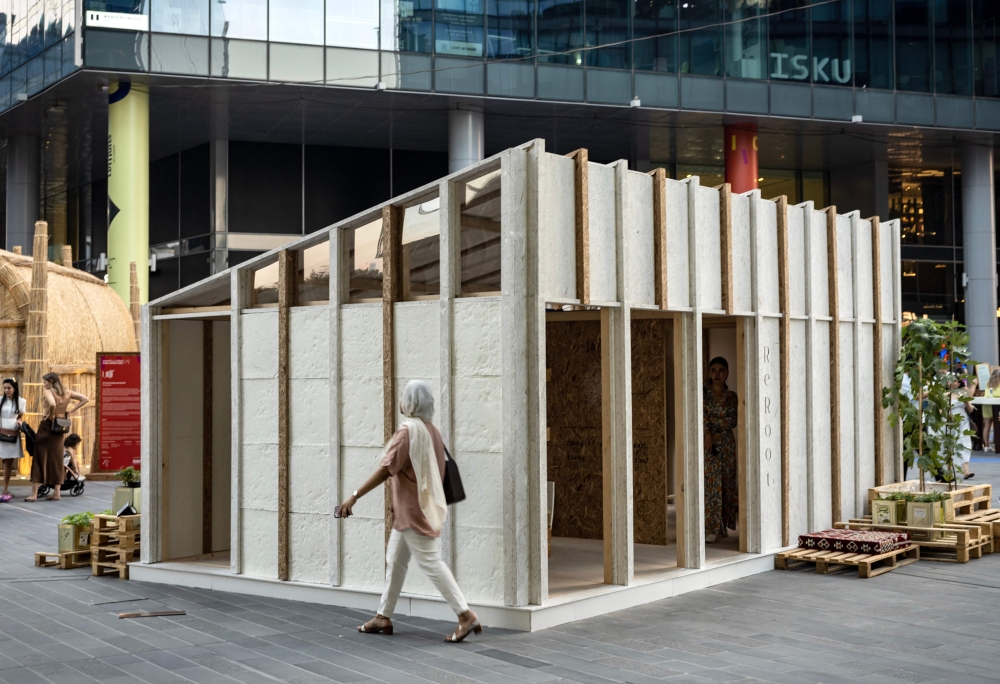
(832, 285)
(287, 263)
(392, 247)
(207, 392)
(581, 185)
(785, 303)
(222, 308)
(660, 235)
(877, 350)
(726, 243)
(11, 323)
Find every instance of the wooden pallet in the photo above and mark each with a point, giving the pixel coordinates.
(949, 542)
(989, 517)
(868, 565)
(65, 560)
(972, 499)
(115, 542)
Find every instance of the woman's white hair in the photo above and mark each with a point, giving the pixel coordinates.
(418, 401)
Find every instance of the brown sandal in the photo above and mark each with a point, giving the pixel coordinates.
(371, 627)
(458, 636)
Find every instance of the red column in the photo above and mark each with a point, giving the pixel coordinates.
(741, 157)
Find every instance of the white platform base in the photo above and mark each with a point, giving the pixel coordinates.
(558, 611)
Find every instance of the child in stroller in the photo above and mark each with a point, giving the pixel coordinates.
(74, 480)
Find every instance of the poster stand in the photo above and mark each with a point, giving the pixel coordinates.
(119, 416)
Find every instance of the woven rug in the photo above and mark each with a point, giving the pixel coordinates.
(854, 541)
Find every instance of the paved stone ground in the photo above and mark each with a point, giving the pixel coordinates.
(928, 622)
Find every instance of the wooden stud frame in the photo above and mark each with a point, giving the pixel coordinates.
(877, 349)
(581, 186)
(726, 243)
(785, 304)
(392, 247)
(286, 299)
(833, 281)
(660, 236)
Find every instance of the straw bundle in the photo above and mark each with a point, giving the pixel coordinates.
(36, 349)
(67, 256)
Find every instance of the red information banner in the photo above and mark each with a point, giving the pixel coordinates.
(119, 412)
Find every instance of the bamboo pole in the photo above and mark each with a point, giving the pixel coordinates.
(133, 301)
(36, 350)
(67, 256)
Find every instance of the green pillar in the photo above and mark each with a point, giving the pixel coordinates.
(128, 187)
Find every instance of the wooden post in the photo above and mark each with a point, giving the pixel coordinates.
(660, 235)
(392, 247)
(581, 187)
(207, 393)
(877, 348)
(67, 256)
(17, 250)
(287, 263)
(135, 308)
(785, 304)
(36, 350)
(832, 281)
(726, 242)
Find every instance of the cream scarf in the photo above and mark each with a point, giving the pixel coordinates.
(430, 492)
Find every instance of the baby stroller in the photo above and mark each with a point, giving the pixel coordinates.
(71, 484)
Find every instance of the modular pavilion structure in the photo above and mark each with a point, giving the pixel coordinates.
(563, 312)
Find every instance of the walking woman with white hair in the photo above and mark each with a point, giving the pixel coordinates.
(415, 460)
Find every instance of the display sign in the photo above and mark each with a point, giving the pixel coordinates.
(119, 410)
(118, 20)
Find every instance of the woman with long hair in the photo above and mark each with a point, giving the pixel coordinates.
(991, 391)
(47, 465)
(721, 470)
(415, 460)
(12, 408)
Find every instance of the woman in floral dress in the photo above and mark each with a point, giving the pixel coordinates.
(721, 472)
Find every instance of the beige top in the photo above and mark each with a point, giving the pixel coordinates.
(405, 504)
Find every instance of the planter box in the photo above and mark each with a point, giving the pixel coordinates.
(886, 512)
(73, 537)
(966, 499)
(929, 514)
(124, 495)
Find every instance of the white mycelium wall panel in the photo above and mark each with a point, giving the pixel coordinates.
(310, 453)
(865, 395)
(222, 434)
(848, 454)
(887, 257)
(478, 448)
(637, 237)
(742, 253)
(603, 243)
(797, 261)
(557, 226)
(417, 357)
(184, 463)
(819, 424)
(708, 244)
(259, 463)
(798, 442)
(678, 256)
(363, 559)
(818, 262)
(845, 268)
(768, 259)
(864, 270)
(769, 408)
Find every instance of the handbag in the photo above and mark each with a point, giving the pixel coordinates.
(9, 436)
(452, 482)
(60, 426)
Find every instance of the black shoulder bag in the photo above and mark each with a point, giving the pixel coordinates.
(452, 482)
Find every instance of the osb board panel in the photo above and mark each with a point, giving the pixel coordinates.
(649, 447)
(573, 361)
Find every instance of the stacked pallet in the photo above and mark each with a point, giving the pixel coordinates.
(64, 560)
(114, 543)
(957, 542)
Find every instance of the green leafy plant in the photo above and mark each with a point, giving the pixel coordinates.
(932, 361)
(900, 496)
(81, 519)
(931, 497)
(107, 512)
(128, 475)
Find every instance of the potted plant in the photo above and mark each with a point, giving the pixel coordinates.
(929, 509)
(74, 532)
(129, 477)
(131, 492)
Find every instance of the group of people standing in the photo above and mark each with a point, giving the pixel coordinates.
(48, 465)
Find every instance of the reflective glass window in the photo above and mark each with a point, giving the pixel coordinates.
(265, 286)
(296, 21)
(313, 276)
(5, 26)
(458, 27)
(873, 44)
(913, 45)
(607, 24)
(560, 31)
(652, 50)
(239, 19)
(952, 47)
(701, 48)
(479, 266)
(774, 183)
(352, 23)
(415, 24)
(986, 26)
(53, 22)
(928, 289)
(709, 176)
(180, 16)
(36, 27)
(122, 6)
(745, 31)
(421, 258)
(788, 30)
(363, 251)
(510, 28)
(816, 187)
(831, 43)
(924, 203)
(69, 17)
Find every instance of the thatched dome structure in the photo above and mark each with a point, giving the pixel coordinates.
(84, 316)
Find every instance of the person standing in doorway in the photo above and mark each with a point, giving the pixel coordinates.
(415, 460)
(721, 470)
(12, 408)
(47, 464)
(991, 391)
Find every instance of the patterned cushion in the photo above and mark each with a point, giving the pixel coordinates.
(854, 541)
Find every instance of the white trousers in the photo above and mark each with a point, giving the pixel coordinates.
(427, 551)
